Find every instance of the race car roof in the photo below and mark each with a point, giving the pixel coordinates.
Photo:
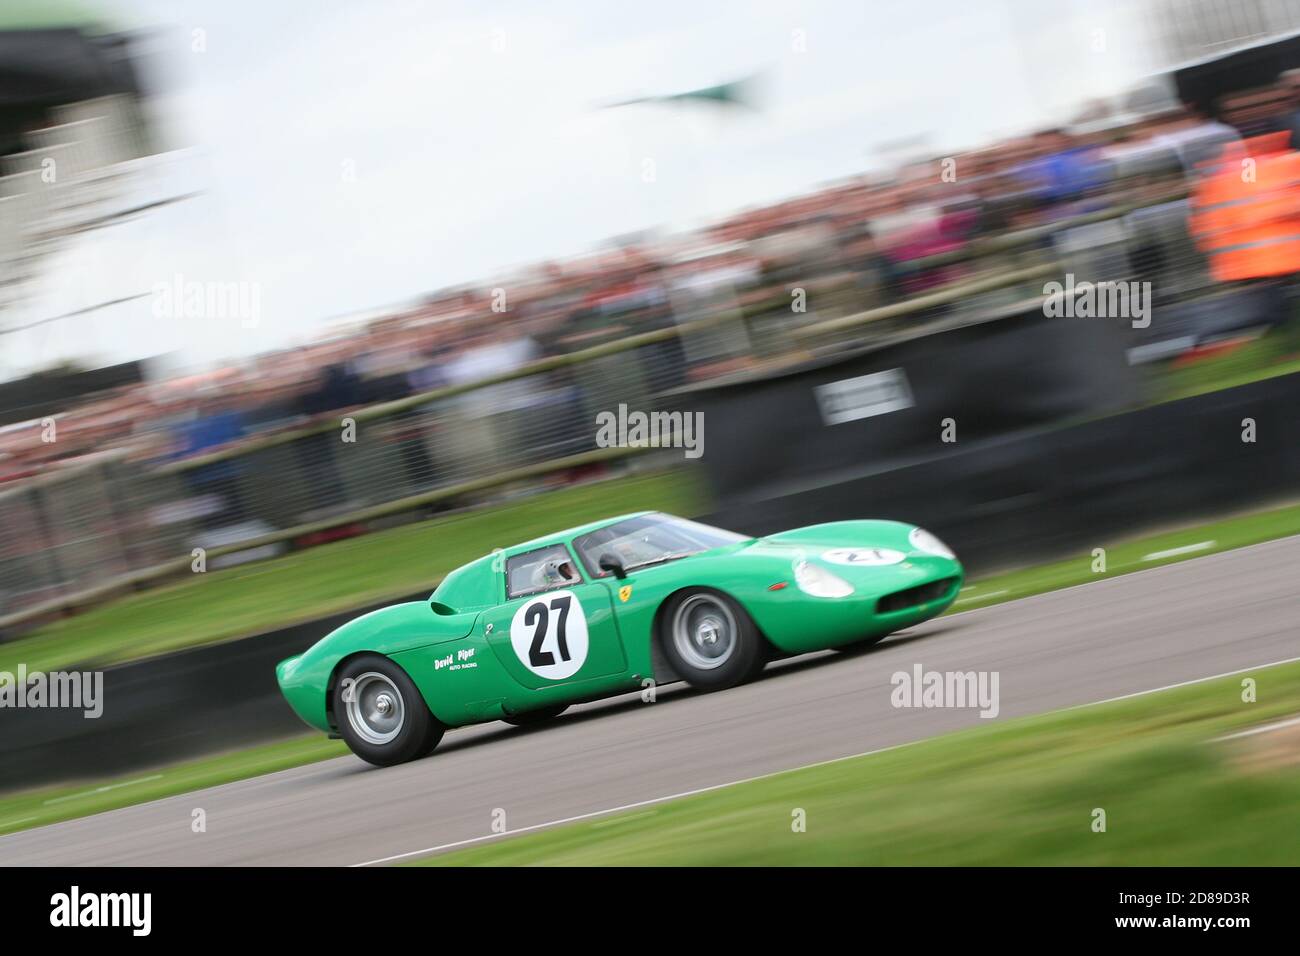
(568, 534)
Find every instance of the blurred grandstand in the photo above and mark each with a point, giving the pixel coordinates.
(460, 393)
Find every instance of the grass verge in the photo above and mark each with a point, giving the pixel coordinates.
(1024, 792)
(1275, 353)
(1135, 554)
(36, 808)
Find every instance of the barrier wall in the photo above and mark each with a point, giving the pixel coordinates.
(890, 404)
(1036, 493)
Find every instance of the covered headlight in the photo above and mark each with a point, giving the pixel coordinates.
(817, 581)
(922, 540)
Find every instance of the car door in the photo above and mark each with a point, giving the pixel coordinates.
(554, 627)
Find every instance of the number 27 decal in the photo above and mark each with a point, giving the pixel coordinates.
(549, 635)
(536, 616)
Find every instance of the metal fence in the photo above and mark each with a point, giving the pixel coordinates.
(91, 528)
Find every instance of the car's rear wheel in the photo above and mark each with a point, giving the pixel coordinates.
(710, 640)
(541, 715)
(381, 714)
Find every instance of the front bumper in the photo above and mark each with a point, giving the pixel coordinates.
(303, 691)
(889, 600)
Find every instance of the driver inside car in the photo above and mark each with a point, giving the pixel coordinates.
(551, 573)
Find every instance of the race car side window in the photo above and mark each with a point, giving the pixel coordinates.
(540, 570)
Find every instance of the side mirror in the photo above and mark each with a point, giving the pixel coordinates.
(611, 562)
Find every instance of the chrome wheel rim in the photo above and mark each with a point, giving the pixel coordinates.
(376, 710)
(704, 632)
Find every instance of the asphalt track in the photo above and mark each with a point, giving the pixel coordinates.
(1111, 638)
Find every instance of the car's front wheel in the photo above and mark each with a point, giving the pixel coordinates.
(710, 640)
(381, 714)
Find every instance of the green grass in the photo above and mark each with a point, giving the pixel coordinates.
(305, 585)
(35, 808)
(1125, 556)
(1021, 792)
(1275, 353)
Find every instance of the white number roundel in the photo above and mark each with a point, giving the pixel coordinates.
(549, 635)
(868, 557)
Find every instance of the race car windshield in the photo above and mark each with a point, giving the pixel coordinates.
(649, 539)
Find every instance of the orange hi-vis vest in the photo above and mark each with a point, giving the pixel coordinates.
(1246, 212)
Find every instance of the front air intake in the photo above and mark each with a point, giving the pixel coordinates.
(914, 597)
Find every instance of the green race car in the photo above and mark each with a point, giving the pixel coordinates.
(607, 608)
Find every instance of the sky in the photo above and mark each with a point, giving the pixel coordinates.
(348, 156)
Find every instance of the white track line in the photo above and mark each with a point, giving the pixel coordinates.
(1114, 576)
(627, 806)
(1262, 729)
(981, 597)
(427, 851)
(103, 789)
(1174, 552)
(1185, 683)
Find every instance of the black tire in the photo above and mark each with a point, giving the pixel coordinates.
(710, 640)
(530, 718)
(369, 730)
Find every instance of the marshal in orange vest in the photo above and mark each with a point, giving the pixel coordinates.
(1246, 211)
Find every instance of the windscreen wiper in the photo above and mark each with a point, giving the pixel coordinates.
(662, 560)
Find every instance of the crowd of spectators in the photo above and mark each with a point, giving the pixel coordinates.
(869, 240)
